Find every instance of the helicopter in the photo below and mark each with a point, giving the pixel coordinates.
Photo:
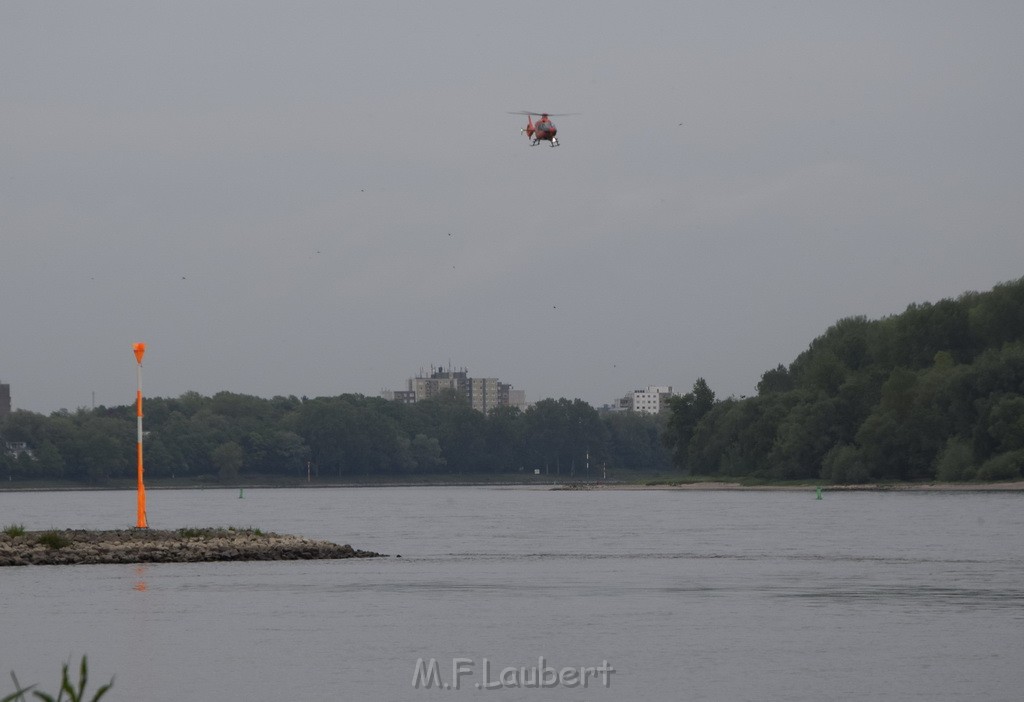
(543, 129)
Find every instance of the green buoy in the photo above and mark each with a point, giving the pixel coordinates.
(819, 493)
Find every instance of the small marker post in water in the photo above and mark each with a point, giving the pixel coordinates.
(240, 491)
(819, 493)
(140, 520)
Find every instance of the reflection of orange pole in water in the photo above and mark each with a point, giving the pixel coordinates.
(140, 584)
(140, 521)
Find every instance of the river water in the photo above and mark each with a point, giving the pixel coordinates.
(527, 594)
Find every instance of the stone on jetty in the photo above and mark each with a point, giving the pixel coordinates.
(77, 546)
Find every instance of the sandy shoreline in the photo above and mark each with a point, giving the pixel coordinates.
(897, 487)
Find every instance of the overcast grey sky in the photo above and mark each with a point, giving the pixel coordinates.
(314, 198)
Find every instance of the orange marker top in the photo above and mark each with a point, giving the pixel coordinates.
(139, 350)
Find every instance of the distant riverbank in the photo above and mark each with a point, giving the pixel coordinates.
(550, 483)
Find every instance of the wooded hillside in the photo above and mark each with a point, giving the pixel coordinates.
(936, 392)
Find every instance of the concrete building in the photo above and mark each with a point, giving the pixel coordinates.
(406, 397)
(16, 449)
(483, 394)
(517, 398)
(5, 400)
(653, 400)
(11, 448)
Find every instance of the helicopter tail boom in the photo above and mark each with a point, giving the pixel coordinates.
(528, 130)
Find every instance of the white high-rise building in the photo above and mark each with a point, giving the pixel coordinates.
(652, 400)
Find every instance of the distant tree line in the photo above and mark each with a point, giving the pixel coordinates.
(936, 392)
(345, 437)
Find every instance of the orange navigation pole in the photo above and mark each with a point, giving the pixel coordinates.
(140, 522)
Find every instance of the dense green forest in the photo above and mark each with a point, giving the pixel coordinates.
(332, 438)
(936, 392)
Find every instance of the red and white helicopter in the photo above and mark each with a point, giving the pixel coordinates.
(543, 129)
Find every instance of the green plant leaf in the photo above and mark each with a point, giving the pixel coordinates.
(19, 691)
(102, 691)
(66, 685)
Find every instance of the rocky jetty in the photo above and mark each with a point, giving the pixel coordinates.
(71, 547)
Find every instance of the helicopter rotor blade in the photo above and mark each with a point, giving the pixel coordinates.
(549, 114)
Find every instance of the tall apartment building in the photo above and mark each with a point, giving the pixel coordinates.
(652, 400)
(483, 394)
(5, 400)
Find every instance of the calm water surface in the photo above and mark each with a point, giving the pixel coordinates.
(688, 595)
